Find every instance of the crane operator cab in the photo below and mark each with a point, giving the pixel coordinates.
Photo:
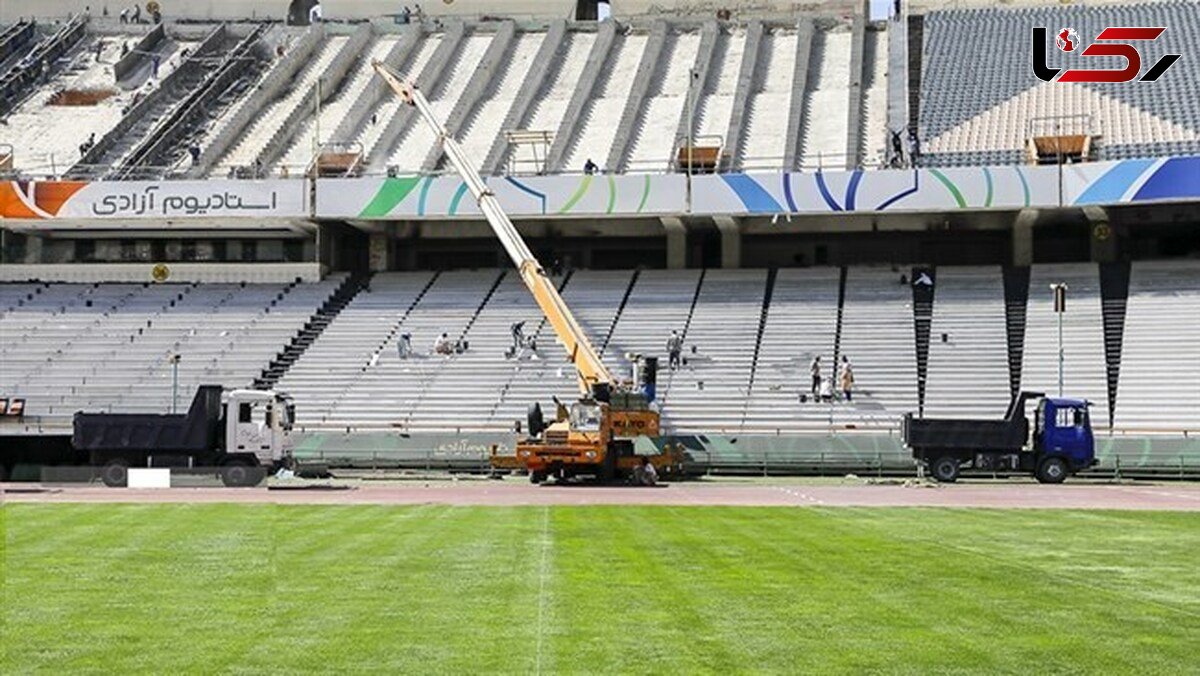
(596, 436)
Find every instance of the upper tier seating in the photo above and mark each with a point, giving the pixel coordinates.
(978, 97)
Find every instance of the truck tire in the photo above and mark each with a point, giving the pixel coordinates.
(115, 474)
(536, 478)
(1052, 471)
(240, 474)
(945, 469)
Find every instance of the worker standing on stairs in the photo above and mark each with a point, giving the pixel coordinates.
(674, 349)
(814, 369)
(846, 379)
(404, 345)
(518, 339)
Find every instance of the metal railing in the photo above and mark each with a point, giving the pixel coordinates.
(49, 167)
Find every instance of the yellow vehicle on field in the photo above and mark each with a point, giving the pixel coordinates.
(596, 435)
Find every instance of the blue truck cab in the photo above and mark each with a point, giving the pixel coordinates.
(1064, 429)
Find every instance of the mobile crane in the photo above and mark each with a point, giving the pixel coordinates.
(595, 436)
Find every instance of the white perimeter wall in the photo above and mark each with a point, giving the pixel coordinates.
(359, 9)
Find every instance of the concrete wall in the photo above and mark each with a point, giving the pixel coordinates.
(180, 272)
(362, 9)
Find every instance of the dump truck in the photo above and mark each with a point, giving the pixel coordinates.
(595, 435)
(238, 434)
(1061, 443)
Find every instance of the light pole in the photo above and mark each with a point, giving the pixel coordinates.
(1060, 308)
(317, 122)
(693, 74)
(174, 383)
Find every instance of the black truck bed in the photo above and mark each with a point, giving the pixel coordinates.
(196, 431)
(926, 434)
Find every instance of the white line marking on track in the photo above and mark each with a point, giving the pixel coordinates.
(798, 494)
(1165, 494)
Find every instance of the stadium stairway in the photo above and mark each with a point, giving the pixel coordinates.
(13, 41)
(142, 123)
(164, 150)
(431, 67)
(1114, 304)
(312, 330)
(538, 337)
(772, 275)
(327, 379)
(44, 60)
(299, 124)
(263, 136)
(459, 392)
(916, 42)
(597, 299)
(1016, 305)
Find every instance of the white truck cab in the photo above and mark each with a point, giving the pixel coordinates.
(259, 422)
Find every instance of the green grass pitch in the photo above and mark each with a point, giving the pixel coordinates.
(436, 589)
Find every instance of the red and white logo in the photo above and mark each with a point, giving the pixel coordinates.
(1110, 42)
(1067, 39)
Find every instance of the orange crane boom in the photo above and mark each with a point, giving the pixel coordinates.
(590, 368)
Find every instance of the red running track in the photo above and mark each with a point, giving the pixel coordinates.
(1006, 495)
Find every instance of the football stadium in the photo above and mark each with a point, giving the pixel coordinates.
(599, 336)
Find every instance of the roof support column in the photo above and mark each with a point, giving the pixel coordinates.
(1022, 238)
(676, 242)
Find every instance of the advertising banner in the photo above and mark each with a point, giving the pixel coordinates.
(415, 197)
(41, 200)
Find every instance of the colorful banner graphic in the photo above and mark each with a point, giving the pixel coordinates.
(1147, 180)
(40, 200)
(599, 196)
(974, 188)
(447, 196)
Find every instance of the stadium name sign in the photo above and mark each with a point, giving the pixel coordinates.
(1067, 41)
(37, 200)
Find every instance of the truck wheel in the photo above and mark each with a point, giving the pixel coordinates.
(536, 478)
(945, 469)
(1052, 471)
(240, 474)
(115, 474)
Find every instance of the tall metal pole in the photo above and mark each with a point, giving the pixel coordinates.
(691, 126)
(174, 384)
(1060, 308)
(1061, 355)
(317, 122)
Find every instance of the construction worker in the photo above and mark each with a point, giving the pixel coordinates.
(404, 345)
(826, 391)
(814, 369)
(846, 379)
(443, 345)
(674, 349)
(518, 338)
(645, 474)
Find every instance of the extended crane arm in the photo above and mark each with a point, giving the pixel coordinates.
(590, 368)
